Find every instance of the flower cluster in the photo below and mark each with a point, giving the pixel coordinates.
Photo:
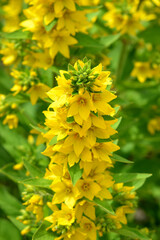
(127, 17)
(80, 126)
(55, 27)
(12, 19)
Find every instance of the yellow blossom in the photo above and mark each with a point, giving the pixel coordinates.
(142, 71)
(38, 91)
(11, 120)
(89, 228)
(154, 125)
(88, 188)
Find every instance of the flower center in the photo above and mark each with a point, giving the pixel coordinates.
(85, 187)
(68, 190)
(88, 226)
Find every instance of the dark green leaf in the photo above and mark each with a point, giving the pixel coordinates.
(70, 119)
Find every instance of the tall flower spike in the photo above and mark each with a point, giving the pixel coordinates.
(77, 121)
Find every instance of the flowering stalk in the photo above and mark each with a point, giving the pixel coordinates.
(81, 158)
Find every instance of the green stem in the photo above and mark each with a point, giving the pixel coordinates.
(122, 60)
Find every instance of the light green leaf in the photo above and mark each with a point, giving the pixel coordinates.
(75, 173)
(37, 182)
(87, 41)
(8, 231)
(33, 170)
(43, 234)
(104, 205)
(50, 25)
(16, 222)
(131, 233)
(110, 39)
(53, 141)
(118, 158)
(116, 125)
(128, 177)
(19, 34)
(38, 128)
(8, 203)
(15, 176)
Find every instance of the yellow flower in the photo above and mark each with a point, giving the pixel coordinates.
(18, 166)
(64, 217)
(38, 59)
(26, 230)
(88, 188)
(120, 216)
(65, 192)
(38, 91)
(12, 17)
(35, 205)
(154, 125)
(81, 105)
(102, 151)
(11, 120)
(142, 71)
(59, 41)
(72, 21)
(85, 207)
(89, 228)
(60, 4)
(10, 53)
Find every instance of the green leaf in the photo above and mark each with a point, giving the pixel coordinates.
(50, 25)
(128, 177)
(116, 125)
(150, 34)
(118, 158)
(8, 203)
(75, 173)
(110, 39)
(70, 119)
(5, 157)
(8, 230)
(108, 118)
(16, 222)
(19, 34)
(37, 182)
(101, 140)
(53, 141)
(15, 176)
(131, 233)
(67, 75)
(33, 170)
(104, 205)
(87, 41)
(43, 234)
(38, 128)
